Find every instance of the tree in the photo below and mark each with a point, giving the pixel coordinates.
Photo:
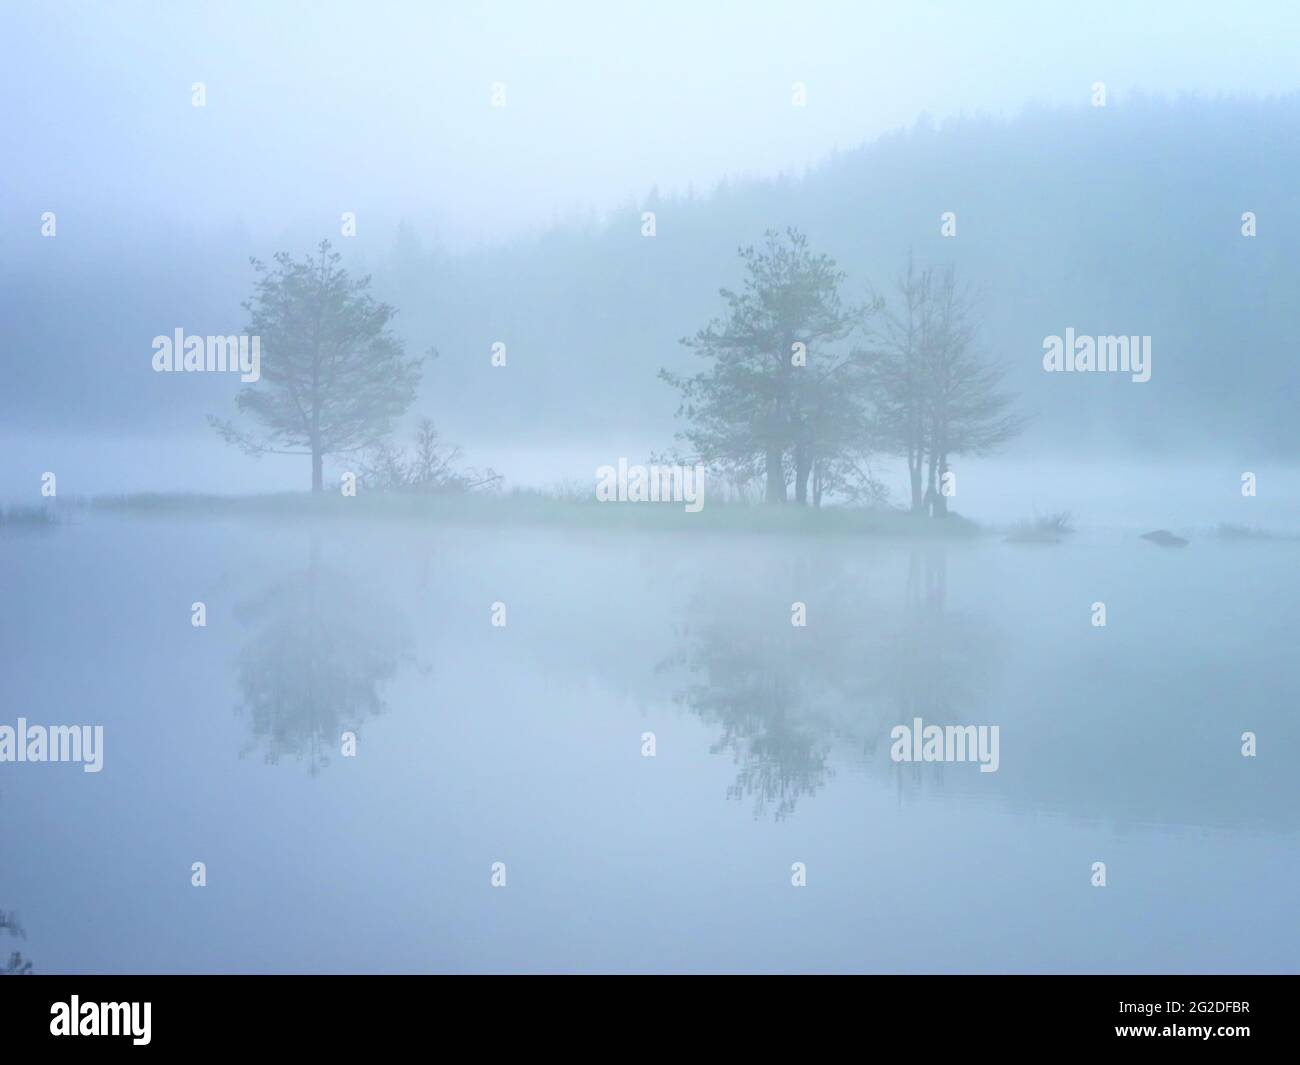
(897, 375)
(833, 429)
(966, 411)
(775, 393)
(934, 395)
(333, 377)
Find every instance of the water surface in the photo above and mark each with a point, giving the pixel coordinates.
(523, 745)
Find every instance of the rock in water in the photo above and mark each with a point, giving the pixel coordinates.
(1164, 538)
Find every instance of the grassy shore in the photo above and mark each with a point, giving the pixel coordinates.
(541, 509)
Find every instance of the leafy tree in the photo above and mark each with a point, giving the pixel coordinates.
(762, 403)
(333, 377)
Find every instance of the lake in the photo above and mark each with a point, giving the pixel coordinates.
(521, 751)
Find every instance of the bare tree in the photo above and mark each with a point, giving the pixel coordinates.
(934, 394)
(333, 378)
(897, 374)
(966, 410)
(429, 468)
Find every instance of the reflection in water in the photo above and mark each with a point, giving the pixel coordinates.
(784, 696)
(753, 690)
(16, 965)
(1161, 724)
(321, 649)
(937, 659)
(1119, 744)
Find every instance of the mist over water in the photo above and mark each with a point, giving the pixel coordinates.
(478, 743)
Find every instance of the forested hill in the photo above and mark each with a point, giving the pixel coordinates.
(1124, 219)
(1117, 220)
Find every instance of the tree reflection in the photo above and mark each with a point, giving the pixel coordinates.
(783, 698)
(16, 965)
(751, 688)
(322, 648)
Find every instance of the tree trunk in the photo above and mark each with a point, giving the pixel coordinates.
(914, 472)
(317, 485)
(802, 467)
(775, 477)
(930, 490)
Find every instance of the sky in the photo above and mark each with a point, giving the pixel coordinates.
(385, 109)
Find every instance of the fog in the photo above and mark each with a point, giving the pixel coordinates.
(521, 223)
(360, 622)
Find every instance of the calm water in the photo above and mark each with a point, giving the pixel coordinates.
(522, 744)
